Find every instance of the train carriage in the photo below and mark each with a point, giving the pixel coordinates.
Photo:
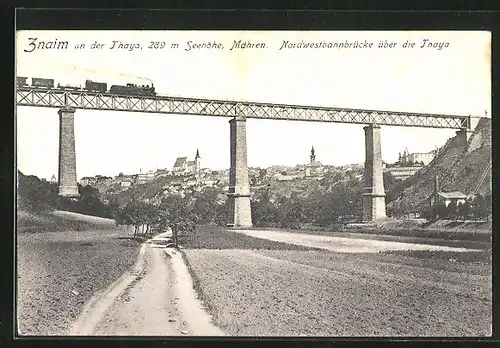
(41, 82)
(101, 87)
(21, 81)
(68, 87)
(92, 86)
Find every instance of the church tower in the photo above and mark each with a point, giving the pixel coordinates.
(197, 162)
(313, 156)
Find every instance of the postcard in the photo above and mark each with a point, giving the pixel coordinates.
(253, 183)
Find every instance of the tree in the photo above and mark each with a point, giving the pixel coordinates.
(264, 212)
(150, 217)
(205, 205)
(463, 210)
(427, 212)
(328, 210)
(113, 207)
(441, 210)
(452, 210)
(224, 213)
(89, 203)
(389, 180)
(488, 206)
(133, 214)
(292, 213)
(174, 212)
(35, 194)
(480, 208)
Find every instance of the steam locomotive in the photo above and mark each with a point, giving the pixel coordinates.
(129, 89)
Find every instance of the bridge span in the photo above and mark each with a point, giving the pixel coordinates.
(239, 189)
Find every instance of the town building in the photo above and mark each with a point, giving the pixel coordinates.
(126, 180)
(403, 173)
(287, 177)
(455, 198)
(87, 180)
(409, 164)
(183, 166)
(125, 183)
(145, 177)
(314, 167)
(161, 173)
(417, 158)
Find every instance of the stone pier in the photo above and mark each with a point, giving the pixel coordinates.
(239, 188)
(463, 136)
(374, 193)
(68, 186)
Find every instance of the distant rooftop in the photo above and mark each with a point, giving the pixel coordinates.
(452, 195)
(180, 161)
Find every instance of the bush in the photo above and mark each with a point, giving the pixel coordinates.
(36, 195)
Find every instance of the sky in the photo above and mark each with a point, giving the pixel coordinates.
(452, 79)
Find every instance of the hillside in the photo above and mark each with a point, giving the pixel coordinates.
(458, 169)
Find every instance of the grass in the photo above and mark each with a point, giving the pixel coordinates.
(482, 257)
(29, 222)
(214, 312)
(478, 236)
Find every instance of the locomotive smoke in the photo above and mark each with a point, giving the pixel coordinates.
(105, 73)
(137, 78)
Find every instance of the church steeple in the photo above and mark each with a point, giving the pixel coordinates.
(313, 156)
(197, 162)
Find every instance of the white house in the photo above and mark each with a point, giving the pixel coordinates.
(448, 198)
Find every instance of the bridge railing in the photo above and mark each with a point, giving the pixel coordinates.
(225, 108)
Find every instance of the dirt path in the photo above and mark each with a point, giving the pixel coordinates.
(155, 299)
(343, 244)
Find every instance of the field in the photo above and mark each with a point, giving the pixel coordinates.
(213, 237)
(58, 271)
(442, 232)
(28, 222)
(283, 292)
(476, 241)
(255, 286)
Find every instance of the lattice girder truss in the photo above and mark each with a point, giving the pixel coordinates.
(191, 106)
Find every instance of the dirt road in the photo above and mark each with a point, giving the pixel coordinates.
(343, 244)
(155, 299)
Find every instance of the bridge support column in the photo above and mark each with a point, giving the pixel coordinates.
(68, 186)
(239, 188)
(374, 194)
(463, 136)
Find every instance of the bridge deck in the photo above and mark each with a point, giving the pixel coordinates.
(57, 98)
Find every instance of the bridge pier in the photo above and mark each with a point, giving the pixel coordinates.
(374, 194)
(68, 186)
(239, 188)
(463, 136)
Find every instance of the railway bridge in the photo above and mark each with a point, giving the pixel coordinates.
(239, 190)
